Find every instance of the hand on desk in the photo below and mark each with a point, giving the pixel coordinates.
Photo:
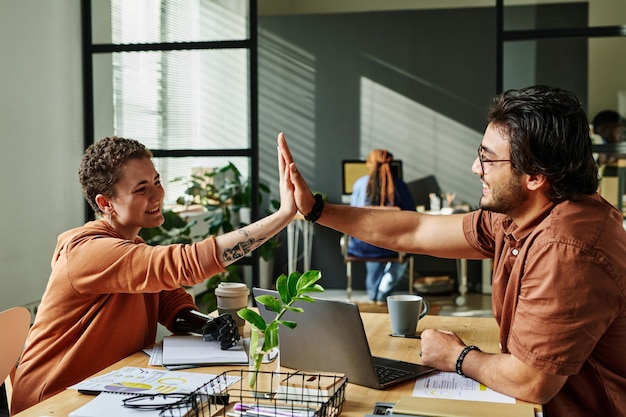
(223, 329)
(440, 349)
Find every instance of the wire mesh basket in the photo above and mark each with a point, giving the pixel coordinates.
(296, 394)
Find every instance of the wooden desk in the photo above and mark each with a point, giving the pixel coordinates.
(359, 400)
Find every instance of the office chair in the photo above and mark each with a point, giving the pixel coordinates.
(14, 326)
(348, 259)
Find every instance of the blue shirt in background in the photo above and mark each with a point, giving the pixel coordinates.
(402, 199)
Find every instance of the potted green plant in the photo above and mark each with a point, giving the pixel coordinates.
(222, 193)
(264, 338)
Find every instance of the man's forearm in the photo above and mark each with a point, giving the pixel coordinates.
(368, 224)
(508, 375)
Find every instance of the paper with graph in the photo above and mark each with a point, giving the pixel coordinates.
(134, 380)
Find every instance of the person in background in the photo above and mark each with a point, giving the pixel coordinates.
(558, 250)
(609, 126)
(383, 189)
(108, 289)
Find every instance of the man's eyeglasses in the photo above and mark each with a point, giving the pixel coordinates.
(483, 160)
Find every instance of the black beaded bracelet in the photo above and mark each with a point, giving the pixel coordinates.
(459, 361)
(316, 211)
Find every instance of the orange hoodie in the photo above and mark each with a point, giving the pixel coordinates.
(102, 303)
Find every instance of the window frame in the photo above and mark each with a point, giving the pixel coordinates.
(252, 153)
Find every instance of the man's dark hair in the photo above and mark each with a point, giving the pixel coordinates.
(548, 134)
(100, 168)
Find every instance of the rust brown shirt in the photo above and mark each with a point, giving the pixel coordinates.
(104, 298)
(559, 295)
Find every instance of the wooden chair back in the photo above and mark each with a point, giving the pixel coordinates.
(14, 326)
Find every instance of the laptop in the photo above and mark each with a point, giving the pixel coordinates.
(330, 337)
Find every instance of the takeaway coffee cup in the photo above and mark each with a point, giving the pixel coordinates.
(404, 313)
(232, 296)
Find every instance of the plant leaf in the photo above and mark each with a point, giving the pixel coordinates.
(315, 288)
(294, 309)
(253, 318)
(263, 187)
(288, 323)
(283, 289)
(292, 283)
(306, 298)
(308, 280)
(270, 302)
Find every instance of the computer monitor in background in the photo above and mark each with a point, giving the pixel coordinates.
(353, 169)
(421, 188)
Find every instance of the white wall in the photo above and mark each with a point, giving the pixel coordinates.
(41, 139)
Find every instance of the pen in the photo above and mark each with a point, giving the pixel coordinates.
(273, 411)
(407, 336)
(245, 407)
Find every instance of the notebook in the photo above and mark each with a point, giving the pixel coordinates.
(444, 407)
(330, 337)
(194, 350)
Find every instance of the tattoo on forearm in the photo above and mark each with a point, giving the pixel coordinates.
(240, 249)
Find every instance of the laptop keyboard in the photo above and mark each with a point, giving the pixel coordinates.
(387, 374)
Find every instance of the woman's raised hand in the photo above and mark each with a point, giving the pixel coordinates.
(304, 199)
(287, 203)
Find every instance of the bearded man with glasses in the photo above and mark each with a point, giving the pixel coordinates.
(558, 250)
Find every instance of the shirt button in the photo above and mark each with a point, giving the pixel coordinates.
(515, 252)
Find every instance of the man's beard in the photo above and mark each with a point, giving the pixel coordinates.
(506, 198)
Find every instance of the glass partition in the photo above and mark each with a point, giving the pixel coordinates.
(151, 21)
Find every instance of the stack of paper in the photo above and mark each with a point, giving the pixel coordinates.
(194, 350)
(446, 394)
